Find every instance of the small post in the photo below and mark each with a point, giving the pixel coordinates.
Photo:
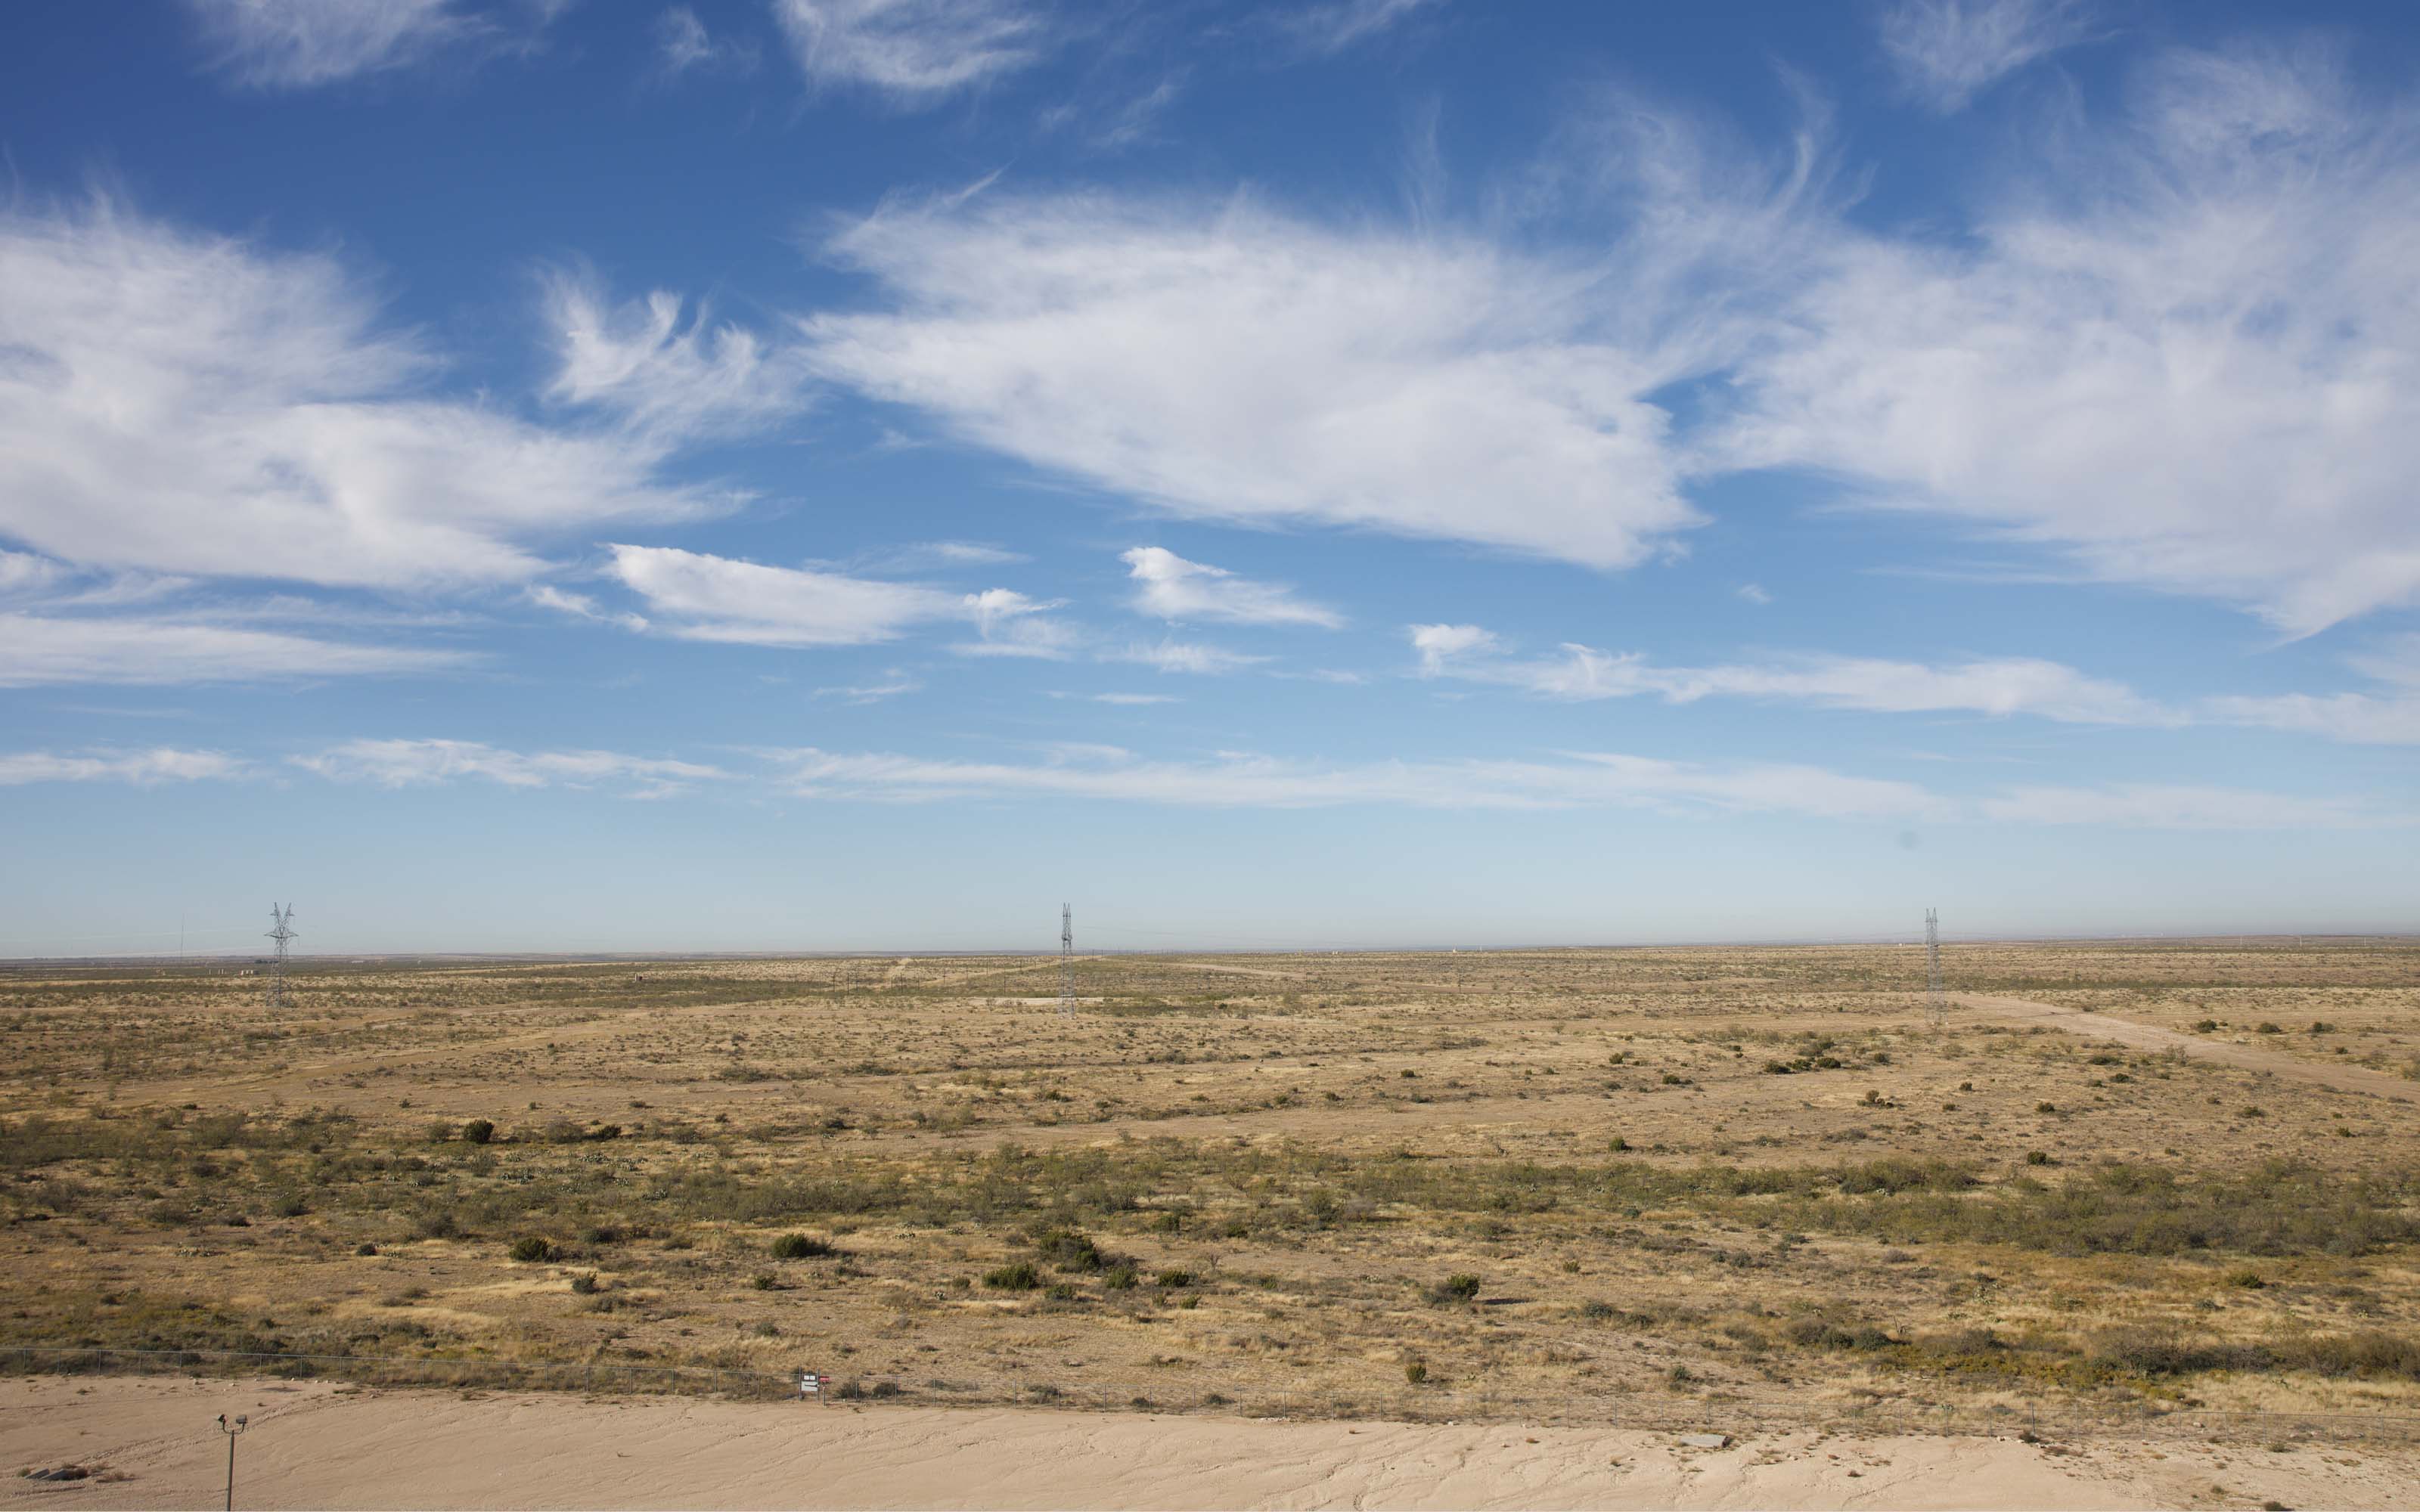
(231, 1430)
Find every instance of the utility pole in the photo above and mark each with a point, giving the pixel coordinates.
(231, 1430)
(283, 918)
(1936, 1009)
(1066, 959)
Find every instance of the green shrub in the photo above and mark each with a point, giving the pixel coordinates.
(584, 1284)
(531, 1250)
(1020, 1276)
(1459, 1287)
(1069, 1249)
(478, 1132)
(799, 1247)
(1120, 1279)
(1417, 1372)
(1173, 1279)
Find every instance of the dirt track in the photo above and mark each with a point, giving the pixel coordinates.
(332, 1446)
(2355, 1079)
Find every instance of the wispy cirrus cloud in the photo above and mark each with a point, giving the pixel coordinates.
(1327, 29)
(174, 402)
(2167, 344)
(58, 649)
(142, 768)
(1173, 588)
(1947, 51)
(698, 597)
(580, 606)
(674, 377)
(1420, 383)
(894, 684)
(684, 46)
(304, 44)
(913, 52)
(1258, 782)
(1995, 687)
(1182, 657)
(402, 764)
(1998, 686)
(2175, 806)
(2176, 347)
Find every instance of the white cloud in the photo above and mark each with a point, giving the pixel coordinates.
(1008, 624)
(144, 768)
(400, 764)
(674, 380)
(919, 556)
(180, 403)
(2186, 353)
(2156, 806)
(2002, 686)
(1258, 782)
(2175, 347)
(1754, 592)
(701, 597)
(304, 44)
(1947, 51)
(2390, 717)
(21, 573)
(1175, 589)
(2359, 718)
(683, 45)
(1422, 385)
(42, 649)
(915, 52)
(1327, 29)
(894, 684)
(1442, 646)
(300, 43)
(1184, 656)
(1123, 700)
(580, 606)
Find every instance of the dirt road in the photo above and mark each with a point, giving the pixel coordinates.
(2359, 1080)
(153, 1444)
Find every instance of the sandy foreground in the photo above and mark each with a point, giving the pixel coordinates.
(153, 1442)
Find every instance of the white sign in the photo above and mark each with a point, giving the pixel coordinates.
(810, 1384)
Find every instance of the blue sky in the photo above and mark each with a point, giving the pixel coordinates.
(853, 473)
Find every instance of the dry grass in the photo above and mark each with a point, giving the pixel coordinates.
(1558, 1184)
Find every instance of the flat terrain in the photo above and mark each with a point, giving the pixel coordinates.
(2159, 1189)
(152, 1444)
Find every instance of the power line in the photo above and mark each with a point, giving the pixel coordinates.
(1065, 959)
(1936, 1009)
(283, 918)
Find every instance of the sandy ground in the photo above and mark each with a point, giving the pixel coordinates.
(2355, 1079)
(153, 1444)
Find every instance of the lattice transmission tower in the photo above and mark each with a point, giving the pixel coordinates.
(1935, 1009)
(283, 918)
(1066, 959)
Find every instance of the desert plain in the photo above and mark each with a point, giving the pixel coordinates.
(2115, 1223)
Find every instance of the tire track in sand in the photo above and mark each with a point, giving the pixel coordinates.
(2359, 1080)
